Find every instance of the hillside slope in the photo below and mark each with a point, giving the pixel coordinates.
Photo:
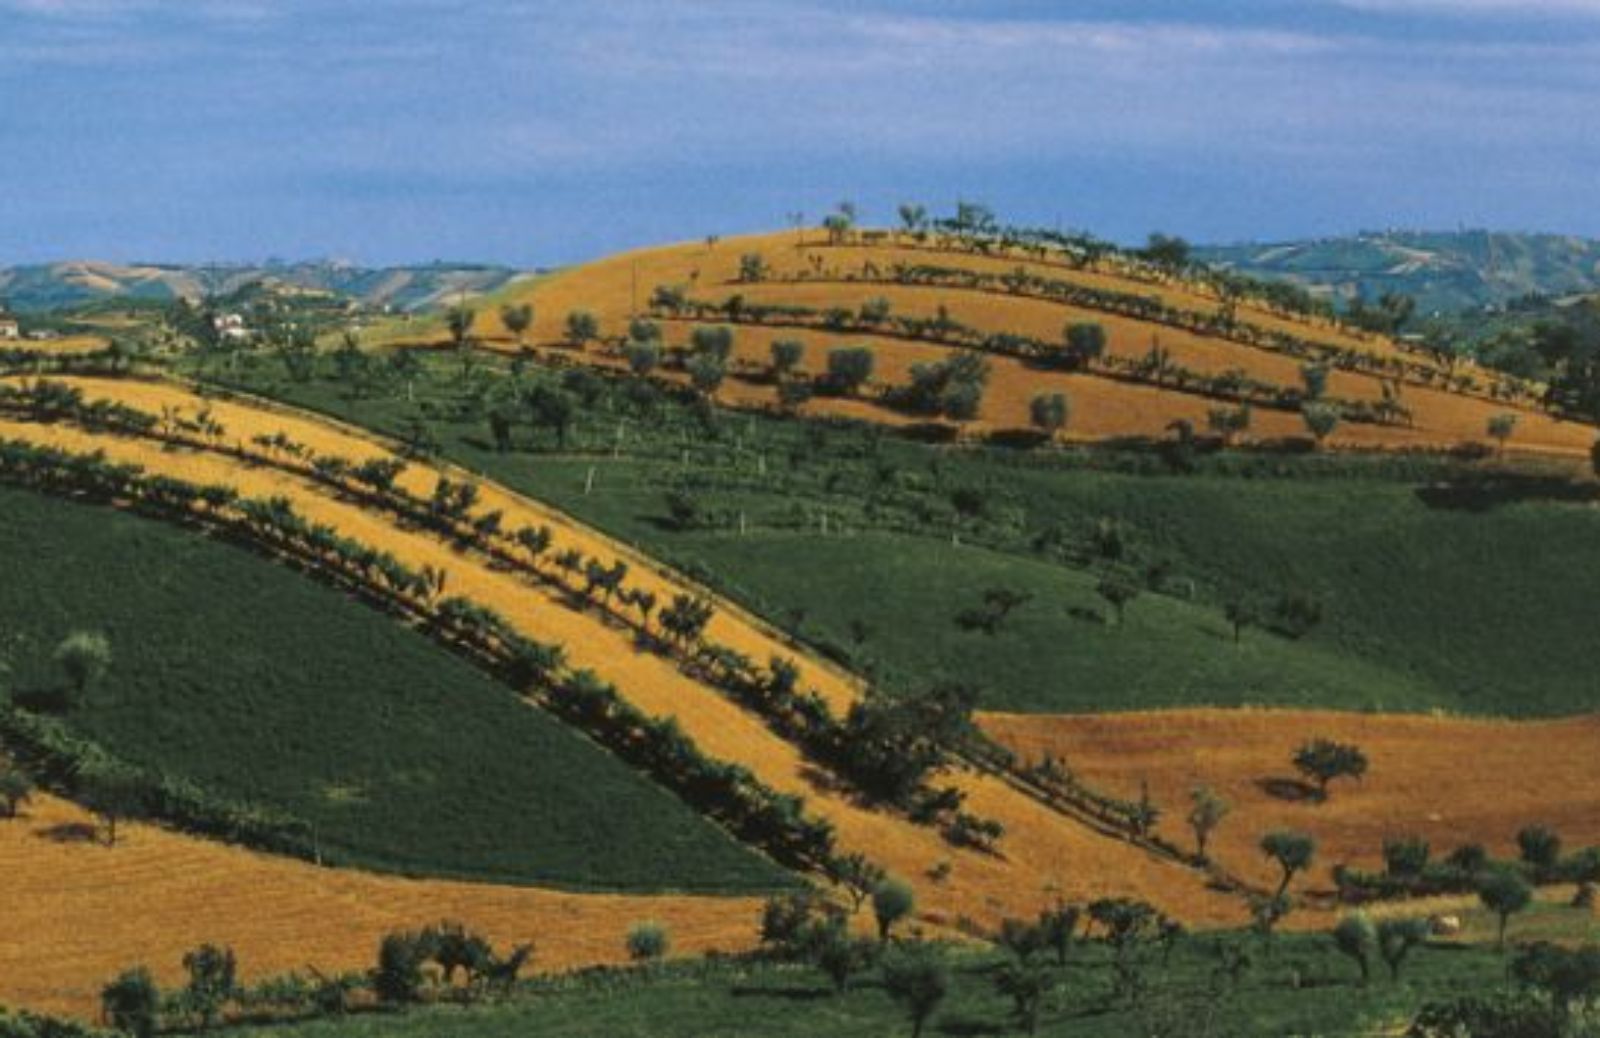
(1443, 271)
(53, 286)
(1176, 352)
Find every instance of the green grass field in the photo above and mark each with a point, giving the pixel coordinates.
(256, 683)
(1302, 986)
(1426, 604)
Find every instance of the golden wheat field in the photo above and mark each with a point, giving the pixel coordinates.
(89, 910)
(618, 287)
(1451, 781)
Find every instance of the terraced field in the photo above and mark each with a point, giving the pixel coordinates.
(1042, 856)
(807, 271)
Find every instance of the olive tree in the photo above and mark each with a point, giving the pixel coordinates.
(1356, 937)
(1396, 938)
(1323, 760)
(786, 356)
(892, 900)
(1505, 893)
(1321, 420)
(1500, 428)
(517, 318)
(1293, 851)
(1049, 413)
(1207, 812)
(582, 327)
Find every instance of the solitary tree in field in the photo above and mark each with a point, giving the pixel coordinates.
(917, 979)
(1049, 413)
(517, 318)
(84, 657)
(1118, 591)
(1356, 937)
(1505, 893)
(1323, 760)
(892, 900)
(1321, 420)
(582, 327)
(1207, 813)
(1501, 426)
(1294, 853)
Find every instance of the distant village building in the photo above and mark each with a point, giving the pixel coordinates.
(9, 329)
(230, 326)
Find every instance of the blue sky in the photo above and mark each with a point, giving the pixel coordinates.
(546, 131)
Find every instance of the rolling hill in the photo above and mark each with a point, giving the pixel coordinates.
(54, 286)
(1176, 351)
(1444, 271)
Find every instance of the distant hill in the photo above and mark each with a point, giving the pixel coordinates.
(54, 286)
(1443, 271)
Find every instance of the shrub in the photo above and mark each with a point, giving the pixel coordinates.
(1406, 857)
(397, 979)
(849, 368)
(132, 1003)
(648, 942)
(84, 657)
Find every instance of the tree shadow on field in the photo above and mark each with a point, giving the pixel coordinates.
(1487, 492)
(1289, 789)
(792, 993)
(69, 832)
(44, 699)
(966, 1025)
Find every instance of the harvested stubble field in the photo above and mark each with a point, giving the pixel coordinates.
(1449, 780)
(88, 911)
(1043, 855)
(619, 286)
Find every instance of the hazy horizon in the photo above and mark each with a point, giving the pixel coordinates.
(538, 134)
